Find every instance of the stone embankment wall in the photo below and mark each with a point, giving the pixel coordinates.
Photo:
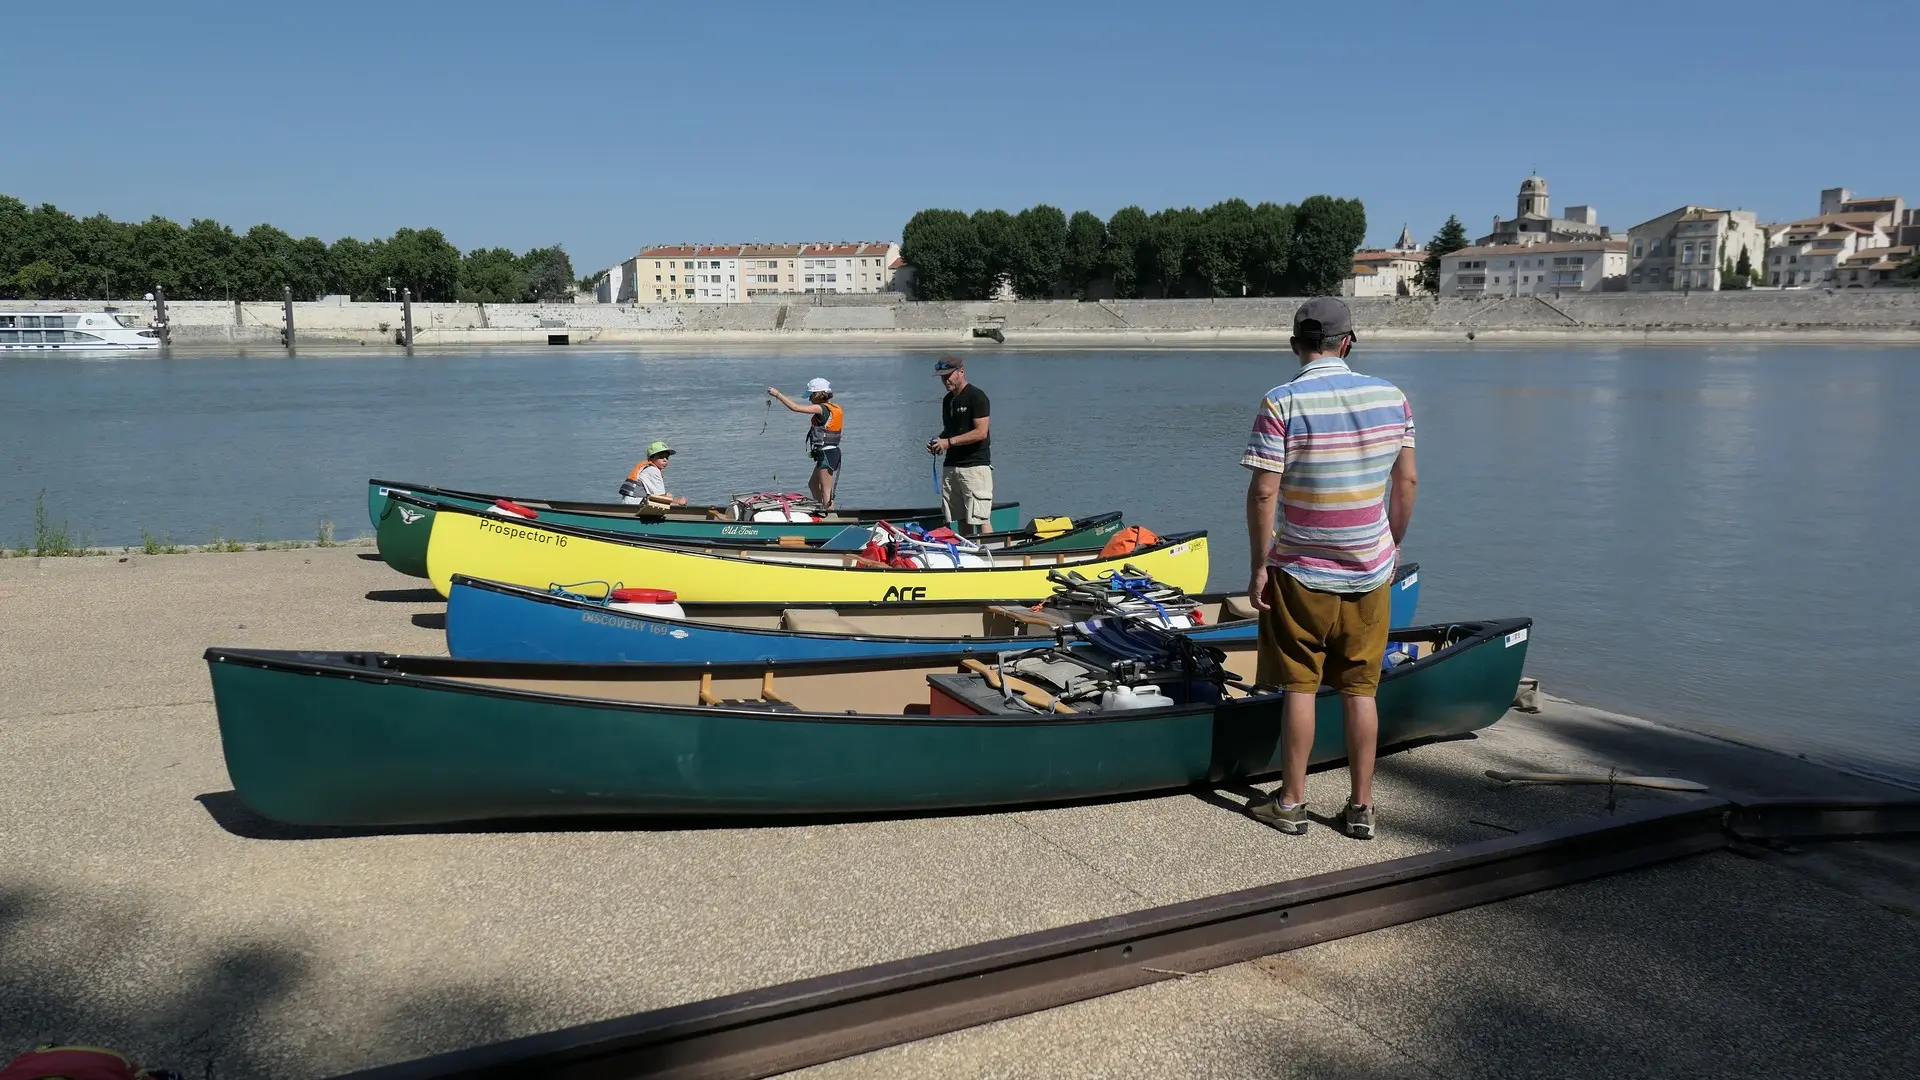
(1892, 314)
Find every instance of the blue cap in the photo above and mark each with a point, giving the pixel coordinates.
(946, 364)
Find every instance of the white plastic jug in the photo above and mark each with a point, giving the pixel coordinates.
(1119, 698)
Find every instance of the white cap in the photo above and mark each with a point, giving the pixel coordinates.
(819, 386)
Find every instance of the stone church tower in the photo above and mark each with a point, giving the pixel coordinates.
(1533, 198)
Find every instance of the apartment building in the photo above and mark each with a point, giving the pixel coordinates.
(739, 273)
(1384, 273)
(1534, 269)
(1689, 248)
(1844, 246)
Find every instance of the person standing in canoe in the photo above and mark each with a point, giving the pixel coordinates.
(649, 478)
(966, 481)
(823, 436)
(1327, 447)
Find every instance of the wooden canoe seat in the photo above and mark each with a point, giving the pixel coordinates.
(1012, 620)
(816, 621)
(768, 701)
(1236, 608)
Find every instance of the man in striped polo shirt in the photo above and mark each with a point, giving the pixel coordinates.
(1326, 446)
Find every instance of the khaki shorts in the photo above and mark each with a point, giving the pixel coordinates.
(1309, 637)
(966, 494)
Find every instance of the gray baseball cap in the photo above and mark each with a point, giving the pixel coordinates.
(1324, 315)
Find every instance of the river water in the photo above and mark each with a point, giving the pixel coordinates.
(1703, 535)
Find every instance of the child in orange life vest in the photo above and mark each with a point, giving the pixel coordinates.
(823, 436)
(649, 478)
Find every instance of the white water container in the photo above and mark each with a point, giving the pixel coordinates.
(1120, 698)
(942, 559)
(663, 603)
(782, 515)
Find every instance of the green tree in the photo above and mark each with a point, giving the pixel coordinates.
(1163, 262)
(549, 274)
(422, 260)
(1269, 249)
(1451, 238)
(1217, 259)
(1127, 233)
(1037, 251)
(354, 269)
(1909, 271)
(1326, 232)
(1086, 245)
(943, 247)
(491, 276)
(995, 229)
(592, 281)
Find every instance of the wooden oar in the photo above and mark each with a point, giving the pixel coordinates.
(1033, 694)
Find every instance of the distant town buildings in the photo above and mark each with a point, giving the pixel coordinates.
(1692, 248)
(1534, 269)
(1389, 272)
(743, 273)
(1534, 223)
(1852, 243)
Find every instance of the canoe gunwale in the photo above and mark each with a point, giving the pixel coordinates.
(380, 668)
(566, 506)
(1083, 557)
(1091, 524)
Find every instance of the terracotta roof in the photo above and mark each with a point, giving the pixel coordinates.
(1388, 256)
(1527, 249)
(1358, 270)
(897, 263)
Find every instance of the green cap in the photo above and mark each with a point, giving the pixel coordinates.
(657, 448)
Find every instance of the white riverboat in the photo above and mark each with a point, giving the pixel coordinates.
(64, 331)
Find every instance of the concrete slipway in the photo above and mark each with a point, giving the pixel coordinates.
(142, 907)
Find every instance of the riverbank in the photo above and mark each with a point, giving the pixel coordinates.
(142, 907)
(1848, 316)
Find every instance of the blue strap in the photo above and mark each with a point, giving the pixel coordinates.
(566, 592)
(1136, 586)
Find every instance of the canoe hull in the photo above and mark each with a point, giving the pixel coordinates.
(404, 530)
(496, 623)
(622, 518)
(329, 746)
(536, 555)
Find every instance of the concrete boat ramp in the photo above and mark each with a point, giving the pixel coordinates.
(142, 907)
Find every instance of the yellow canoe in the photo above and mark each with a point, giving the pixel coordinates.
(530, 553)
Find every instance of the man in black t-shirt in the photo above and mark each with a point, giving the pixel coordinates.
(966, 481)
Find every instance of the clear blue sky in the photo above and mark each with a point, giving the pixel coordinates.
(607, 125)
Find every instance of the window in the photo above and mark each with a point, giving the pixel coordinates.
(1637, 249)
(1776, 262)
(1496, 279)
(1636, 276)
(1509, 264)
(656, 266)
(1793, 258)
(1686, 254)
(1524, 280)
(1776, 273)
(686, 266)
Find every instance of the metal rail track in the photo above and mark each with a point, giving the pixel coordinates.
(789, 1026)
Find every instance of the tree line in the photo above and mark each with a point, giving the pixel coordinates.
(1229, 249)
(47, 253)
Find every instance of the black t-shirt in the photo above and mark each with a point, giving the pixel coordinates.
(958, 411)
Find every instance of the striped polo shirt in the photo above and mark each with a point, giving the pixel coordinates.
(1332, 435)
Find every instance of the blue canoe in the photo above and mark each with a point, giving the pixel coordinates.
(488, 620)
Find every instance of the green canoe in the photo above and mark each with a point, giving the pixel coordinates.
(402, 535)
(371, 739)
(406, 526)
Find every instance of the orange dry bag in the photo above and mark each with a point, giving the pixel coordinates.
(1128, 540)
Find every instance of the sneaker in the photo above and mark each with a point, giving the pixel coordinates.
(1291, 820)
(1358, 821)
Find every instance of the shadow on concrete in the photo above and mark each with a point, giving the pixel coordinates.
(97, 969)
(431, 620)
(370, 556)
(405, 596)
(232, 814)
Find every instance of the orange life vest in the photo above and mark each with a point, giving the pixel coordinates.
(824, 430)
(1129, 540)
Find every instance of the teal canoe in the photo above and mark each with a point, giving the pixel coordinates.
(371, 739)
(406, 527)
(402, 533)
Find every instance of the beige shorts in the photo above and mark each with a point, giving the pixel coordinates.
(966, 494)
